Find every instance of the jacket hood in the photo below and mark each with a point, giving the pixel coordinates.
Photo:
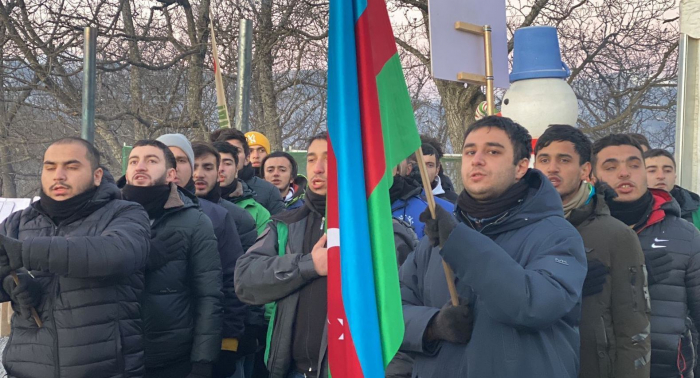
(688, 201)
(542, 201)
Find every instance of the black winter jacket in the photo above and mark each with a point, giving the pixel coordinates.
(182, 308)
(230, 249)
(90, 267)
(245, 224)
(675, 301)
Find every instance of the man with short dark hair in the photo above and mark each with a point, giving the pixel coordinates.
(671, 248)
(280, 169)
(235, 190)
(79, 254)
(519, 268)
(641, 140)
(230, 249)
(288, 266)
(661, 174)
(264, 193)
(614, 301)
(431, 158)
(182, 308)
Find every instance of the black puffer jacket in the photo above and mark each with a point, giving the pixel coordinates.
(675, 301)
(90, 269)
(182, 309)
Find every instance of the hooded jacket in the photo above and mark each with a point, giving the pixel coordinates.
(90, 268)
(615, 328)
(675, 301)
(521, 275)
(690, 204)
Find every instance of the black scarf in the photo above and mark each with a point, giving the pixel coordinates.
(401, 187)
(214, 194)
(677, 193)
(246, 173)
(493, 207)
(634, 212)
(316, 202)
(152, 198)
(61, 210)
(226, 191)
(190, 186)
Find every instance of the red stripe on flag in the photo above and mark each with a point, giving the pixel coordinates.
(382, 36)
(370, 118)
(342, 358)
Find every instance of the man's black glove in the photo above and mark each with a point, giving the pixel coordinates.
(440, 228)
(12, 248)
(451, 324)
(595, 278)
(659, 265)
(164, 247)
(26, 295)
(200, 371)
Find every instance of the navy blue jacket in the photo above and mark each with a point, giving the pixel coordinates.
(409, 209)
(522, 276)
(230, 249)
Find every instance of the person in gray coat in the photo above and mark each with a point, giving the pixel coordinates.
(79, 253)
(519, 268)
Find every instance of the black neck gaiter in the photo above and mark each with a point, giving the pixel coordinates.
(316, 202)
(152, 198)
(246, 173)
(214, 194)
(493, 207)
(59, 211)
(190, 186)
(634, 212)
(226, 191)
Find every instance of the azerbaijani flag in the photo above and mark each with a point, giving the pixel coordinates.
(371, 129)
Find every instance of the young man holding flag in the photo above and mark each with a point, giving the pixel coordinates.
(519, 268)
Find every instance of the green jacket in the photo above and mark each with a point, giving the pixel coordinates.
(243, 196)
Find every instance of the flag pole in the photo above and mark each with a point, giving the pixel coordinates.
(449, 274)
(221, 107)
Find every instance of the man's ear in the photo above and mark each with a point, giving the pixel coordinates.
(97, 176)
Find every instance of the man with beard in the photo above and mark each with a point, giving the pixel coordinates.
(259, 148)
(671, 249)
(182, 307)
(230, 249)
(288, 266)
(519, 268)
(281, 170)
(661, 174)
(235, 190)
(614, 326)
(79, 254)
(408, 201)
(264, 193)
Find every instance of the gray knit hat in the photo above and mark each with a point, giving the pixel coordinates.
(180, 141)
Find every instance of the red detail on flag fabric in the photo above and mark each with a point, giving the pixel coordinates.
(342, 357)
(534, 143)
(370, 118)
(382, 36)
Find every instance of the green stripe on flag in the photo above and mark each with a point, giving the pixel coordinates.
(401, 139)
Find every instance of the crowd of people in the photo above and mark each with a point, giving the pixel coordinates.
(571, 258)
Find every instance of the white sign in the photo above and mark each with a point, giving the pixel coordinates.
(454, 51)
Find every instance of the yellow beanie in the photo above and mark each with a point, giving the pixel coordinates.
(255, 138)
